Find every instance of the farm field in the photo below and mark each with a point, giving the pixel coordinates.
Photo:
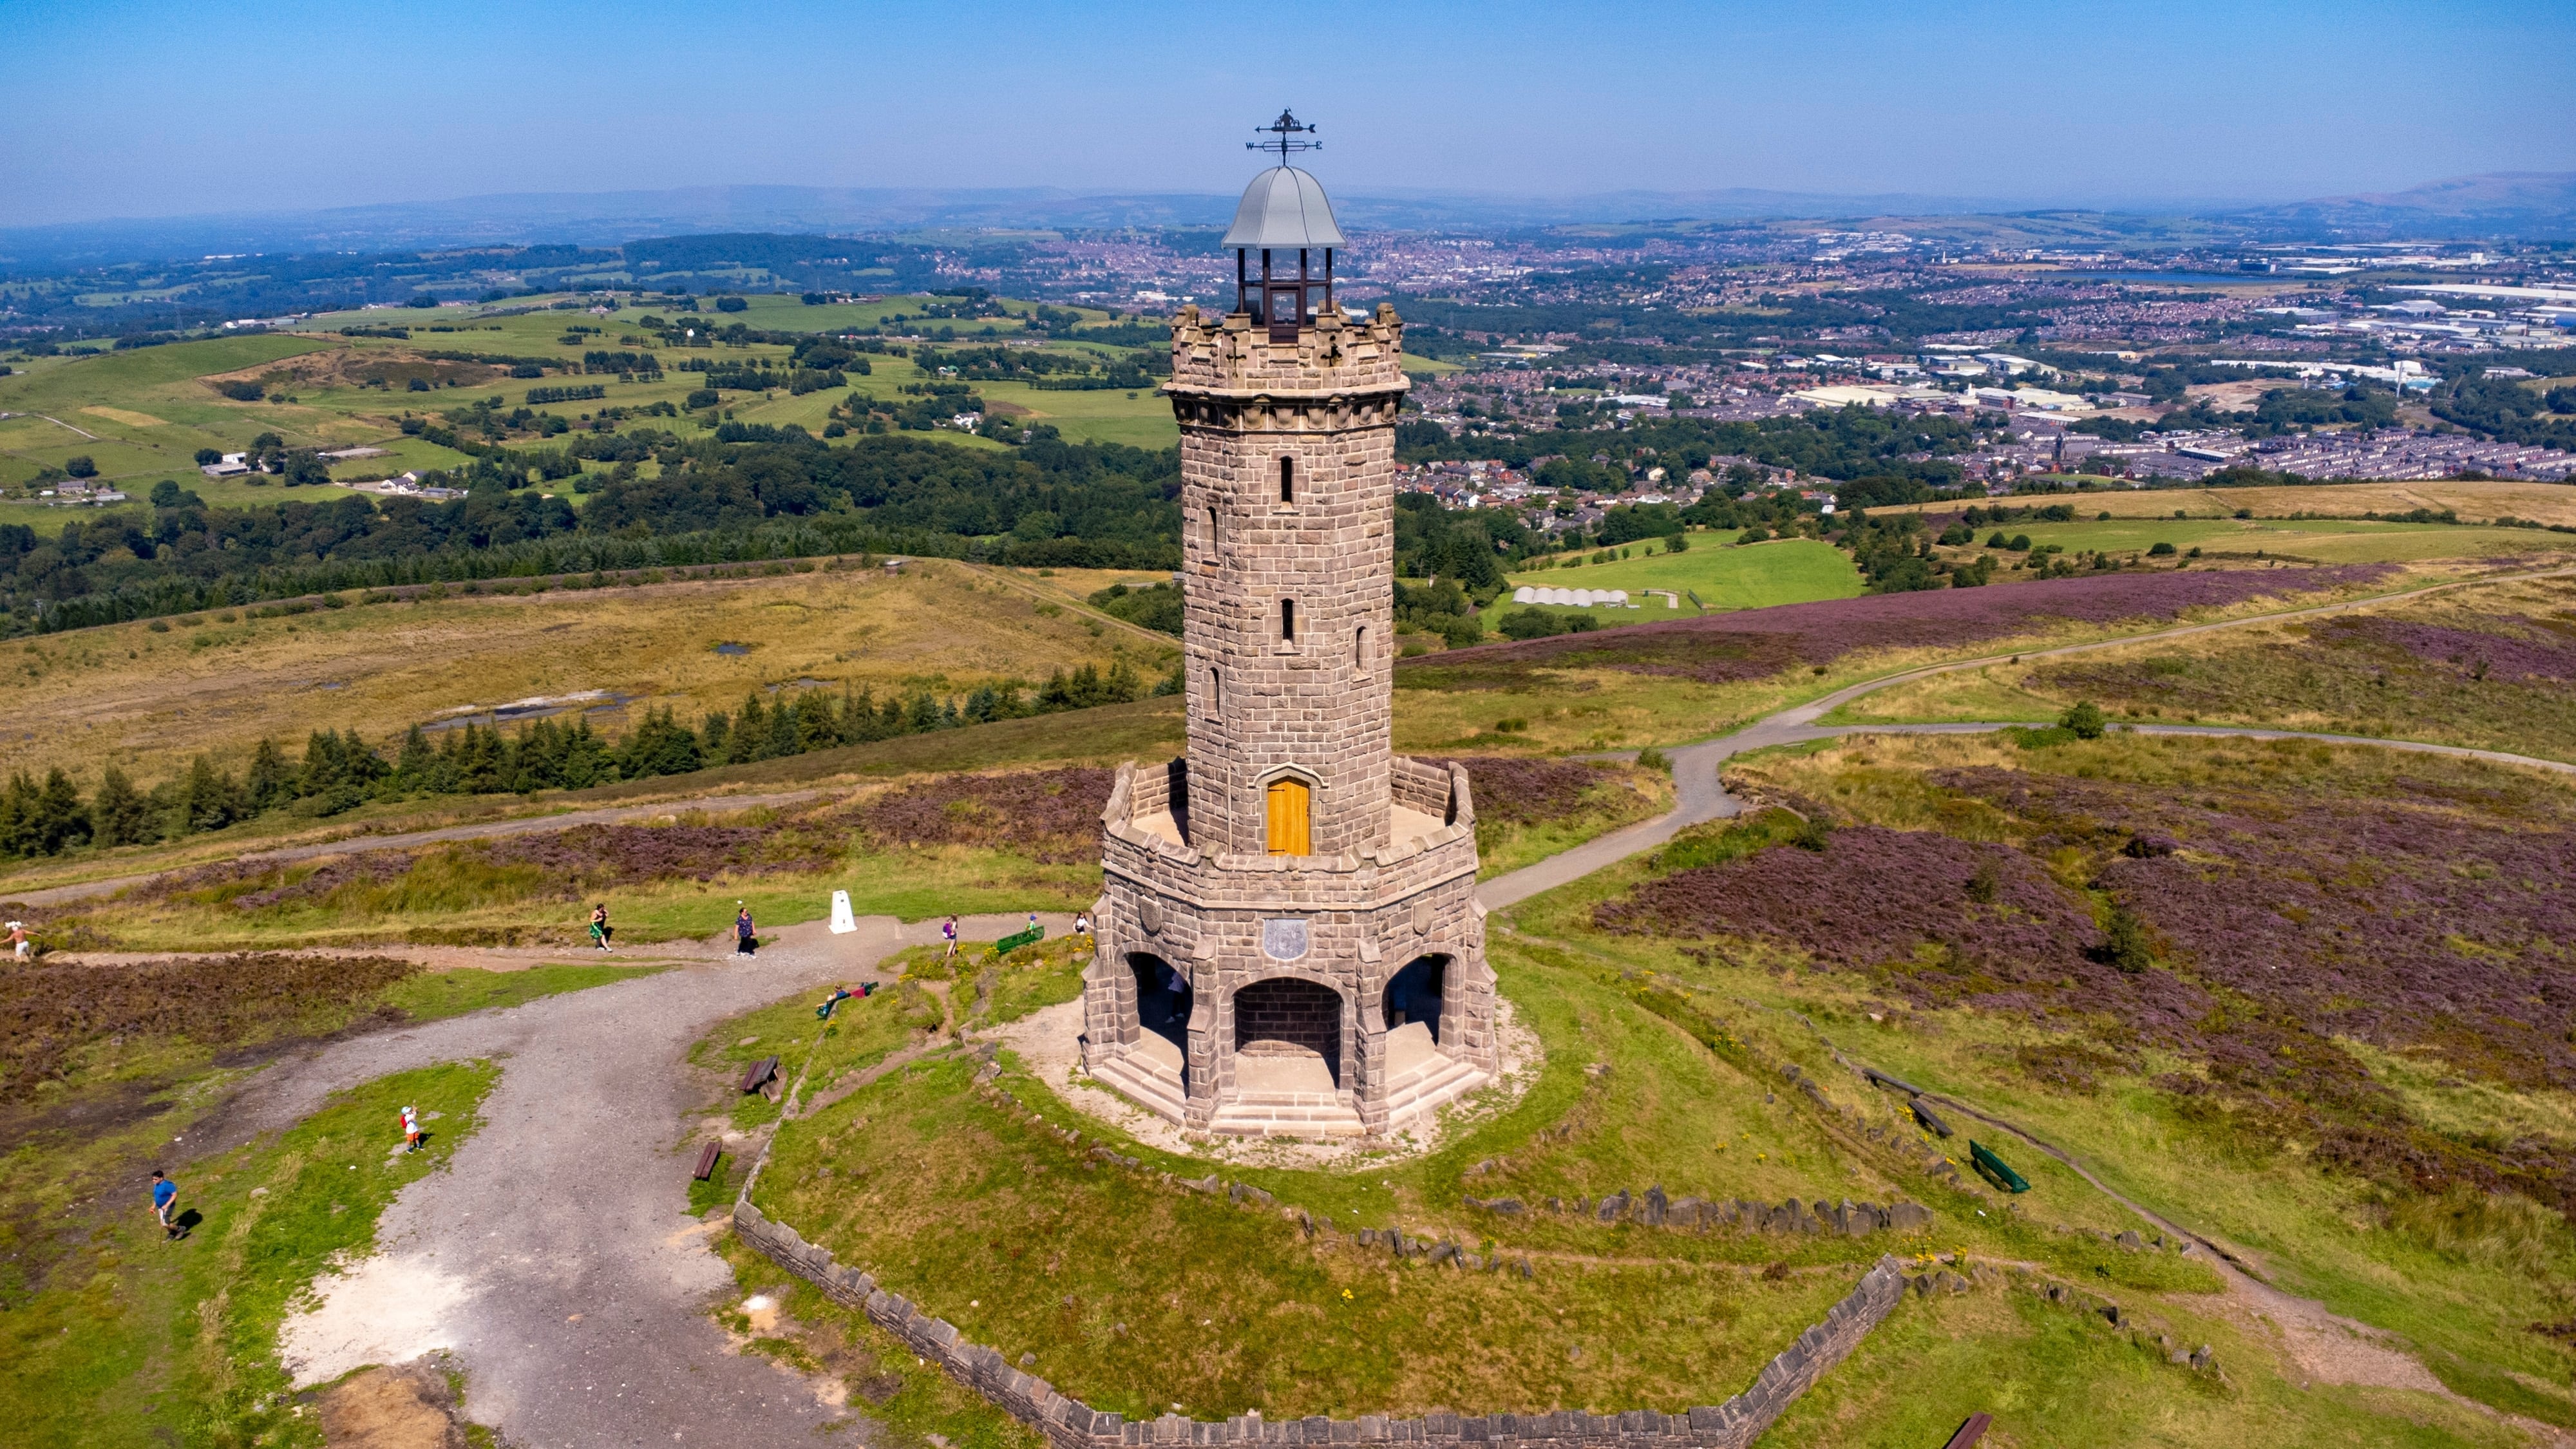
(2324, 541)
(2473, 500)
(144, 411)
(2486, 667)
(152, 695)
(141, 415)
(1726, 577)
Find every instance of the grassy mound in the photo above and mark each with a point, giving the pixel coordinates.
(1004, 1210)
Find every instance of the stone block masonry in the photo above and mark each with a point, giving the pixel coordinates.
(1268, 889)
(1069, 1423)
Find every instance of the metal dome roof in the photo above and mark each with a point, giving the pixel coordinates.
(1283, 207)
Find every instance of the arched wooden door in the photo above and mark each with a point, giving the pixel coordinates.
(1290, 817)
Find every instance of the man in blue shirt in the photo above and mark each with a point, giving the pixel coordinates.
(165, 1199)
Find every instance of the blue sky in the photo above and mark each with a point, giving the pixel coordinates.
(148, 109)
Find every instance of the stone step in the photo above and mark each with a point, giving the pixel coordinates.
(1432, 1085)
(1147, 1085)
(1235, 1122)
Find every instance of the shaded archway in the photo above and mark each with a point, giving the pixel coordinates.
(1414, 993)
(1162, 998)
(1288, 1017)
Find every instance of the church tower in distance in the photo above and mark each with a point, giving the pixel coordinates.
(1289, 939)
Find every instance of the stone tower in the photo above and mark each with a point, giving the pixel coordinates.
(1290, 942)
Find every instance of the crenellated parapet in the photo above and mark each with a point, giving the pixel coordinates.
(1341, 372)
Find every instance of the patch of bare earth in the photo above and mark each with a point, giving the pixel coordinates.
(410, 1407)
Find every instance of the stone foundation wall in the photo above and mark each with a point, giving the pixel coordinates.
(1070, 1423)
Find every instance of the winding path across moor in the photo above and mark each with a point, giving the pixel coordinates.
(551, 1257)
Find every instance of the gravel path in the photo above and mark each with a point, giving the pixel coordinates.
(555, 1257)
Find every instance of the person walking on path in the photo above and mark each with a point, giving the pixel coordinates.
(19, 946)
(1033, 921)
(411, 1129)
(165, 1199)
(599, 927)
(746, 936)
(1082, 925)
(948, 933)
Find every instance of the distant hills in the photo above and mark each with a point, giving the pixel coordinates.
(2521, 205)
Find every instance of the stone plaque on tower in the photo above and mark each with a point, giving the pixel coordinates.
(1289, 940)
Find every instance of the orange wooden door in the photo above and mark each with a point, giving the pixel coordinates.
(1290, 833)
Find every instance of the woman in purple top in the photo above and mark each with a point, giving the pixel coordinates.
(746, 937)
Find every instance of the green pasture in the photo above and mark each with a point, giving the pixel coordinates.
(1141, 419)
(2321, 540)
(1725, 576)
(152, 414)
(142, 415)
(407, 454)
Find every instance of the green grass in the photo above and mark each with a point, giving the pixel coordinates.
(1625, 795)
(863, 1031)
(2321, 540)
(150, 382)
(909, 1404)
(453, 894)
(938, 1179)
(131, 1340)
(1787, 571)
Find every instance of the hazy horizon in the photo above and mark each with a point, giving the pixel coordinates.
(168, 111)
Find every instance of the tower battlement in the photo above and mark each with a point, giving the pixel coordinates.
(1232, 358)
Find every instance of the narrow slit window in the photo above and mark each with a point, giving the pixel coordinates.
(1214, 538)
(1359, 648)
(1216, 692)
(1288, 620)
(1287, 480)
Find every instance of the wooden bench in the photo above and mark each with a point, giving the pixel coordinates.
(1970, 1432)
(707, 1158)
(759, 1075)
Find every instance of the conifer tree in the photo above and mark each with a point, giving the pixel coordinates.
(119, 814)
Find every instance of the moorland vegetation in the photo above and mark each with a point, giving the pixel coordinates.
(2486, 666)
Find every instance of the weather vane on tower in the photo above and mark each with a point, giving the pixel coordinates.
(1283, 137)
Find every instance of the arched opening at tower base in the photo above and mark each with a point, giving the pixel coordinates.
(1287, 1036)
(1162, 999)
(1413, 995)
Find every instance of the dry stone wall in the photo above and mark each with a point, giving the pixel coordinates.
(1654, 1209)
(1070, 1423)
